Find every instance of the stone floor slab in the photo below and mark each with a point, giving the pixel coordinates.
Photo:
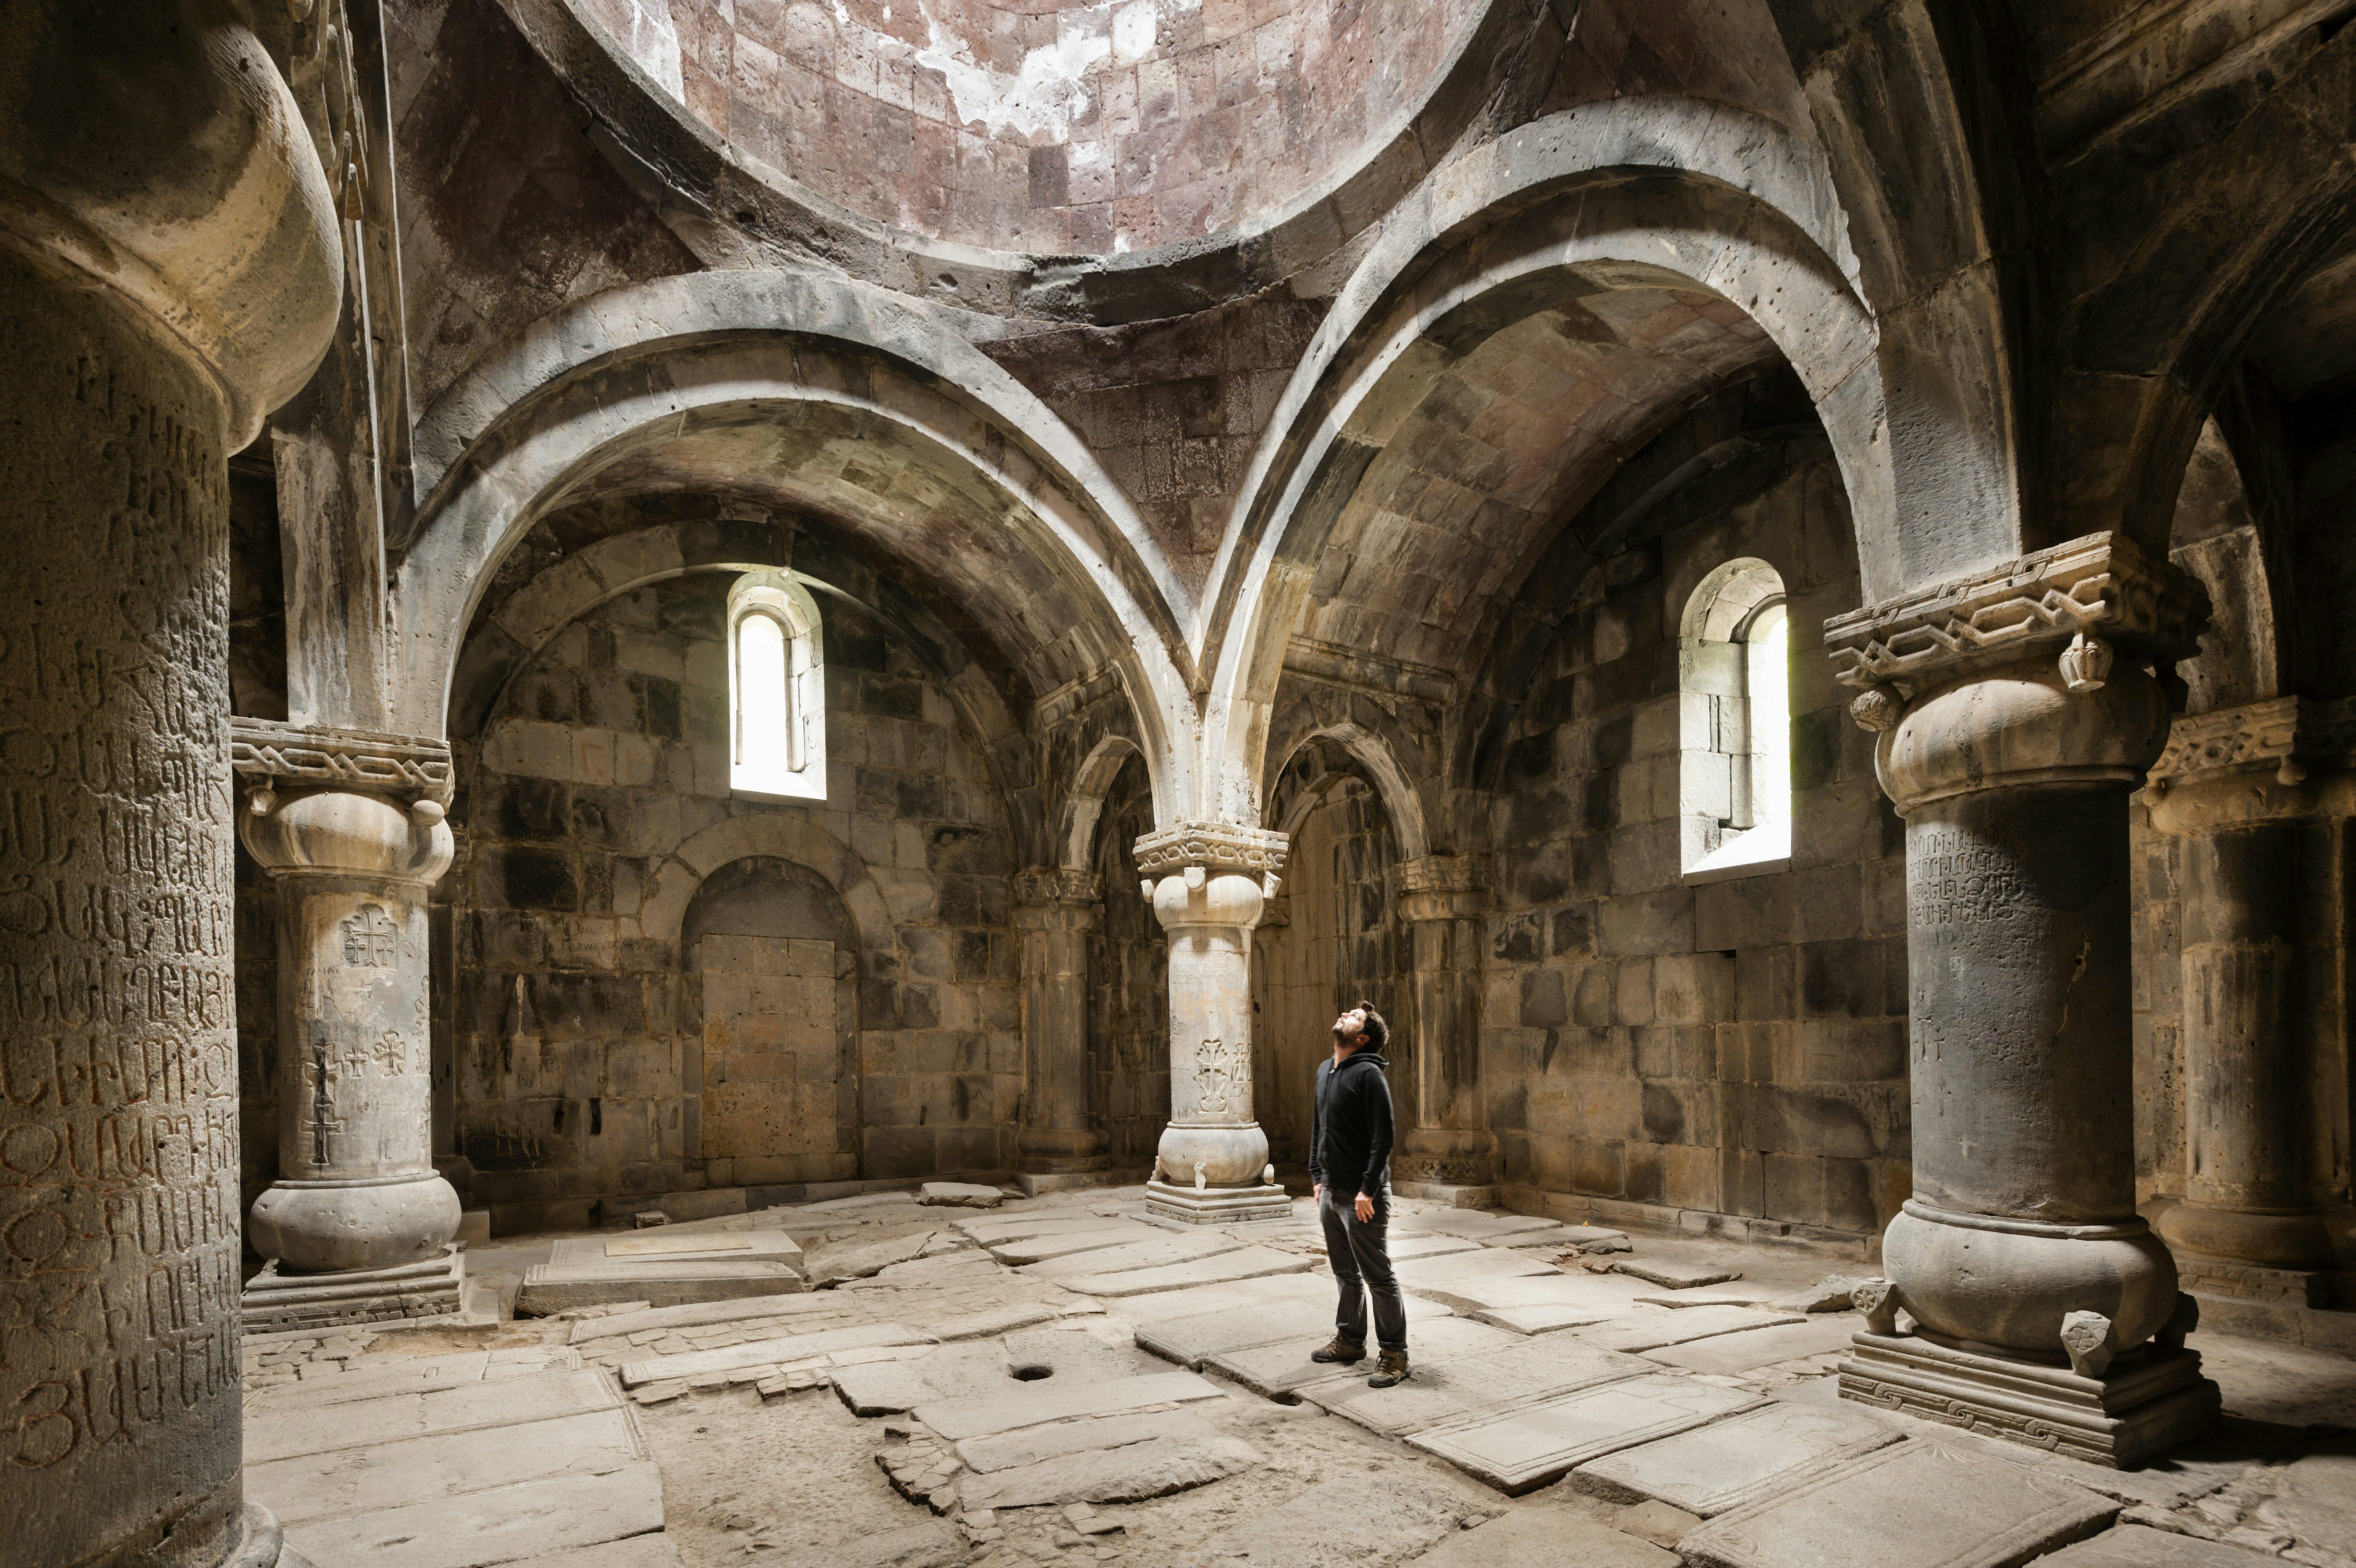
(1477, 1225)
(1021, 1251)
(1130, 1472)
(1651, 1328)
(663, 1245)
(2315, 1499)
(1147, 1253)
(992, 1321)
(763, 1352)
(1284, 1366)
(1673, 1274)
(1545, 1537)
(1246, 1263)
(1749, 1349)
(1444, 1391)
(1030, 1405)
(702, 1314)
(1355, 1521)
(959, 1195)
(856, 1261)
(361, 1424)
(1189, 1340)
(1544, 1319)
(1961, 1511)
(637, 1551)
(1534, 1443)
(1403, 1248)
(551, 1288)
(501, 1525)
(1040, 1445)
(991, 1230)
(343, 1482)
(2140, 1546)
(1725, 1466)
(1233, 1296)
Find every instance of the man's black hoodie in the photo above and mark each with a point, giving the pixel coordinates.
(1350, 1125)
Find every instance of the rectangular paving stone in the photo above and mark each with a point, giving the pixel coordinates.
(637, 1551)
(989, 1229)
(347, 1481)
(649, 1248)
(551, 1288)
(1039, 1444)
(1530, 1445)
(1749, 1349)
(500, 1525)
(1675, 1276)
(1131, 1473)
(1148, 1254)
(1245, 1264)
(1542, 1319)
(359, 1423)
(1441, 1278)
(1232, 1296)
(1284, 1366)
(1650, 1328)
(1029, 1404)
(2140, 1546)
(1479, 1225)
(992, 1320)
(761, 1352)
(1961, 1511)
(1039, 1248)
(1348, 1522)
(1569, 1288)
(1188, 1340)
(1545, 1537)
(1445, 1391)
(698, 1314)
(1402, 1248)
(1743, 1459)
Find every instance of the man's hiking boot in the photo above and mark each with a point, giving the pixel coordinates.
(1339, 1350)
(1390, 1370)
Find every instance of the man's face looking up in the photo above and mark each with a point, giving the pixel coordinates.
(1350, 1030)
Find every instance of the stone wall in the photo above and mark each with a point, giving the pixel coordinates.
(1731, 1049)
(1128, 985)
(580, 1007)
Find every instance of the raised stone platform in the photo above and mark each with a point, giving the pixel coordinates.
(2150, 1401)
(1215, 1205)
(275, 1302)
(662, 1267)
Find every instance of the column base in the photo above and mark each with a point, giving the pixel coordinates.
(260, 1543)
(1059, 1165)
(406, 1293)
(2148, 1401)
(1215, 1205)
(1102, 1174)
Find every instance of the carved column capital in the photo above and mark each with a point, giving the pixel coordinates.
(340, 832)
(2080, 604)
(1442, 887)
(2282, 757)
(2052, 669)
(1209, 874)
(269, 755)
(1044, 884)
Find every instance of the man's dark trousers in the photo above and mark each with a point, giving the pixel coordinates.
(1362, 1265)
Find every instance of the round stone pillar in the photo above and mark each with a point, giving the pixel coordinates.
(1206, 882)
(357, 1189)
(2035, 1288)
(2260, 935)
(1449, 1147)
(167, 272)
(1055, 910)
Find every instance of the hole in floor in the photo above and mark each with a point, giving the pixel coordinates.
(1032, 1374)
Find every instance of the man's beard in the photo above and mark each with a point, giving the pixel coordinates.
(1346, 1039)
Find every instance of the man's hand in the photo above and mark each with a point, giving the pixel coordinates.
(1366, 1210)
(1317, 1192)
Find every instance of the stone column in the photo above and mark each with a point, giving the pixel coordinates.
(2262, 934)
(1450, 1152)
(1206, 882)
(2016, 710)
(1055, 910)
(166, 273)
(358, 1223)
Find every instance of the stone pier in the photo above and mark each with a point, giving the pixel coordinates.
(2015, 713)
(359, 1224)
(167, 273)
(1207, 882)
(2263, 837)
(1055, 910)
(1450, 1149)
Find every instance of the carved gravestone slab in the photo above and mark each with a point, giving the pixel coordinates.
(1534, 1443)
(1446, 1391)
(1280, 1367)
(1961, 1511)
(1715, 1468)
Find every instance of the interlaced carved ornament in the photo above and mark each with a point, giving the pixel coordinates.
(1213, 846)
(265, 752)
(1056, 885)
(2286, 734)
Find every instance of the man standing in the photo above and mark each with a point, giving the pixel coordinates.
(1350, 1161)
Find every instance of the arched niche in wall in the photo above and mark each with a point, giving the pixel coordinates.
(1128, 976)
(769, 1046)
(1330, 938)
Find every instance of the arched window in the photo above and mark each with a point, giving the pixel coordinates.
(776, 689)
(1735, 712)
